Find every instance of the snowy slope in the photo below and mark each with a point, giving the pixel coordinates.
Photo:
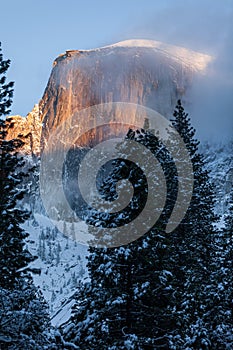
(192, 58)
(197, 60)
(62, 263)
(219, 162)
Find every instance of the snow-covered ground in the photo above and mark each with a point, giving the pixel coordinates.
(62, 263)
(219, 163)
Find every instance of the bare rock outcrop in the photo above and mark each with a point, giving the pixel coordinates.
(143, 72)
(28, 129)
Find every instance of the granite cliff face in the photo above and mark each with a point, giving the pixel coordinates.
(144, 72)
(28, 129)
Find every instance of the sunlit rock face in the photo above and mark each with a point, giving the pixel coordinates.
(28, 129)
(143, 72)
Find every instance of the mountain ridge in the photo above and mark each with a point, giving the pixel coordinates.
(93, 82)
(198, 60)
(145, 72)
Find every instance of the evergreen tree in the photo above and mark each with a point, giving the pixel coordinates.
(23, 318)
(154, 292)
(228, 261)
(6, 89)
(193, 245)
(13, 256)
(221, 315)
(128, 303)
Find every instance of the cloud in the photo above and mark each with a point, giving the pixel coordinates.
(205, 26)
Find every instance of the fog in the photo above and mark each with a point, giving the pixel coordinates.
(205, 26)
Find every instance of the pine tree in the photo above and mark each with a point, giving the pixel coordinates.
(154, 292)
(228, 261)
(13, 257)
(129, 301)
(222, 286)
(6, 89)
(23, 319)
(193, 245)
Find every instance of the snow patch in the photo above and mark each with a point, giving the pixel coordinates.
(199, 61)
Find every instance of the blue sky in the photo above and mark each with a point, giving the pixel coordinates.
(34, 33)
